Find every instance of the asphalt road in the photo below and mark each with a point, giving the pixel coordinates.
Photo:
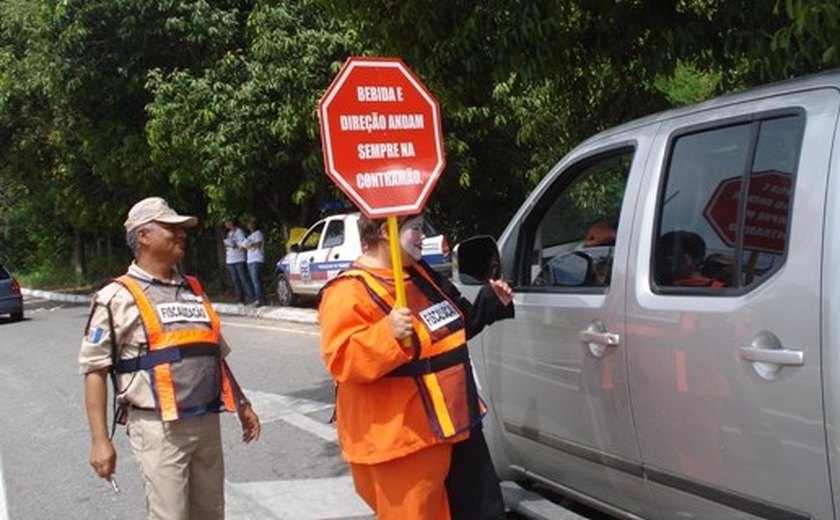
(294, 471)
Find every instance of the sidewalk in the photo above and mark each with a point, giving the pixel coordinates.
(291, 314)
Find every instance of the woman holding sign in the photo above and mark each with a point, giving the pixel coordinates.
(407, 408)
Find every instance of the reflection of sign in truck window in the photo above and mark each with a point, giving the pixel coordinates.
(765, 222)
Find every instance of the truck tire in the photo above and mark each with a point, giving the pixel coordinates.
(285, 296)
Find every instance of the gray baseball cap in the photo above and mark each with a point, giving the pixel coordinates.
(155, 209)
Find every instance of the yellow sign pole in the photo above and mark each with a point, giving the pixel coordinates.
(396, 265)
(396, 260)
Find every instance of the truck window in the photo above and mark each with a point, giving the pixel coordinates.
(725, 206)
(572, 238)
(313, 236)
(334, 235)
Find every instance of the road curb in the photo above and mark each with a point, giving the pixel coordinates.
(290, 314)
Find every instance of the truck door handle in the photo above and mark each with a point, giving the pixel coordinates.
(608, 339)
(768, 355)
(777, 357)
(597, 339)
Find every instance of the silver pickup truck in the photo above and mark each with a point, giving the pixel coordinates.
(676, 346)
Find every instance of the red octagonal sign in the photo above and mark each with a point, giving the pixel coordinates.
(766, 220)
(381, 134)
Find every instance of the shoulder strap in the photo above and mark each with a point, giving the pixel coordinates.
(373, 284)
(198, 290)
(195, 285)
(443, 283)
(117, 416)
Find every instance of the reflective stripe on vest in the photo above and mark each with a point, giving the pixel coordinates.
(167, 348)
(444, 380)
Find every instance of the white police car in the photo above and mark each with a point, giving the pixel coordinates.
(330, 246)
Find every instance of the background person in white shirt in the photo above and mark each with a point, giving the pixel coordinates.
(255, 256)
(235, 261)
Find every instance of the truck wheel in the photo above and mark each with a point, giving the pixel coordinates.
(285, 296)
(17, 316)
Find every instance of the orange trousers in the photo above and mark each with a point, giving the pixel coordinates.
(408, 488)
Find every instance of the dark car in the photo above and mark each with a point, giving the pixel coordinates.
(11, 300)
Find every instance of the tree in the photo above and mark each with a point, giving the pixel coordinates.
(520, 83)
(214, 104)
(245, 130)
(72, 114)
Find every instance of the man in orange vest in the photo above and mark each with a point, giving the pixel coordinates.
(154, 331)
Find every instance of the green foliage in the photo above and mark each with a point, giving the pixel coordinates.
(688, 84)
(72, 111)
(556, 71)
(552, 74)
(50, 276)
(245, 130)
(214, 104)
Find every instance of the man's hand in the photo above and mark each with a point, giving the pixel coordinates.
(103, 458)
(250, 423)
(400, 321)
(503, 291)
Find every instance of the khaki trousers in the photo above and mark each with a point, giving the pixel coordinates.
(181, 464)
(407, 488)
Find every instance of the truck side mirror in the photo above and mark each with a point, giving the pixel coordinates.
(476, 260)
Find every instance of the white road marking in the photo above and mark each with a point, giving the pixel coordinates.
(293, 410)
(327, 498)
(307, 499)
(268, 327)
(4, 513)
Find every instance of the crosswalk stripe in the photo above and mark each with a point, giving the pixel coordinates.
(315, 499)
(306, 499)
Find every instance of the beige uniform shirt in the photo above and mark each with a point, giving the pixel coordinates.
(135, 387)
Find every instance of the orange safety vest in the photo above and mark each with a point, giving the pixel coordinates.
(185, 368)
(444, 379)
